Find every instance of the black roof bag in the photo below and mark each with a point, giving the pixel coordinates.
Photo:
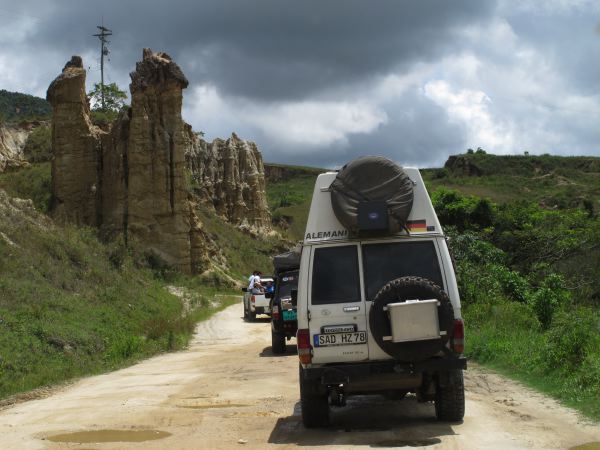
(372, 187)
(287, 261)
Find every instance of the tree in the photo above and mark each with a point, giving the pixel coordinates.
(114, 101)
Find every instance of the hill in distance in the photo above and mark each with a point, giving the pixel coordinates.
(15, 106)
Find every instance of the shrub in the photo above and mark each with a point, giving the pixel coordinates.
(548, 298)
(572, 337)
(38, 147)
(461, 211)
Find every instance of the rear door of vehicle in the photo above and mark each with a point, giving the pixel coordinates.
(387, 260)
(338, 325)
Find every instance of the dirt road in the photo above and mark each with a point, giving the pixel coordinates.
(228, 391)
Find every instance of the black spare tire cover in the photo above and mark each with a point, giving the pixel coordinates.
(368, 179)
(400, 290)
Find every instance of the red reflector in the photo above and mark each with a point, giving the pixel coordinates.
(303, 338)
(304, 347)
(275, 312)
(458, 337)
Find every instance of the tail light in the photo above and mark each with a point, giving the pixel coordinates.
(253, 299)
(275, 312)
(304, 347)
(458, 339)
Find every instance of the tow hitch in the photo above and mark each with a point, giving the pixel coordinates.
(337, 397)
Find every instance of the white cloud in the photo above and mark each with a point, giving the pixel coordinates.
(470, 108)
(308, 123)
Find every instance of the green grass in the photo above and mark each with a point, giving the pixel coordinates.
(244, 253)
(553, 181)
(289, 202)
(33, 182)
(72, 306)
(505, 337)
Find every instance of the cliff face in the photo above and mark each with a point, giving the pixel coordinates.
(12, 142)
(229, 176)
(461, 165)
(76, 149)
(132, 180)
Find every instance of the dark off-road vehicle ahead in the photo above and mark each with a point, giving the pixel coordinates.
(378, 305)
(284, 322)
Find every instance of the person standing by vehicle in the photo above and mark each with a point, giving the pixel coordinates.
(251, 280)
(256, 286)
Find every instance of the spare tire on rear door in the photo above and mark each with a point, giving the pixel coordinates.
(401, 290)
(372, 195)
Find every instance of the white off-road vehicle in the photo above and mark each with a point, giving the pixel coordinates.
(378, 305)
(257, 303)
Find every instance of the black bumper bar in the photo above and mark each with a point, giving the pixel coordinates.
(343, 373)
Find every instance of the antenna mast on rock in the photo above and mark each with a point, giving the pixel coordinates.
(104, 33)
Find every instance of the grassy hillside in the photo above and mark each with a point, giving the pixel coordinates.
(15, 106)
(552, 181)
(71, 305)
(289, 197)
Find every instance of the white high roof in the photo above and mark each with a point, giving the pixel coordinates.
(323, 225)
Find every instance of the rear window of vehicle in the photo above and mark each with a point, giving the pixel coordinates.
(335, 275)
(286, 283)
(385, 262)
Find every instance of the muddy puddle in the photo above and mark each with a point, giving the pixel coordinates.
(98, 436)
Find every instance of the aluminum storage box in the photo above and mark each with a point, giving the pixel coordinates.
(413, 320)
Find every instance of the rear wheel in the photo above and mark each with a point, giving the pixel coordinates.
(315, 404)
(278, 342)
(450, 397)
(251, 316)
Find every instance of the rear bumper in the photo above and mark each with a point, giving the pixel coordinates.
(346, 373)
(289, 327)
(261, 310)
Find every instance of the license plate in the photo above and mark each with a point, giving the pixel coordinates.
(326, 340)
(290, 315)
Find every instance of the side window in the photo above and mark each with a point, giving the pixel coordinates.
(335, 277)
(386, 262)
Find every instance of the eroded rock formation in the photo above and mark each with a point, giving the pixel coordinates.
(229, 176)
(144, 183)
(133, 179)
(76, 149)
(12, 142)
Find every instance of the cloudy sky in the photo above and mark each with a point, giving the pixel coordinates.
(318, 82)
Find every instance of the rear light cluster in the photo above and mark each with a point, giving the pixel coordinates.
(253, 299)
(275, 312)
(458, 339)
(304, 347)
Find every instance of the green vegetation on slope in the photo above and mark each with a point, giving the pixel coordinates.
(552, 181)
(289, 199)
(15, 106)
(33, 182)
(529, 280)
(244, 252)
(72, 306)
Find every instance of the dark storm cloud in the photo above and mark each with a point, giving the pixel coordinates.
(418, 132)
(267, 49)
(319, 82)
